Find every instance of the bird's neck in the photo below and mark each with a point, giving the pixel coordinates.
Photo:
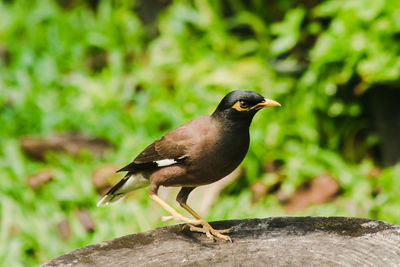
(232, 125)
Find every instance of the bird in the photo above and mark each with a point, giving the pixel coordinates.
(199, 152)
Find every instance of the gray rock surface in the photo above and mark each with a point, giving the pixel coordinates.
(281, 241)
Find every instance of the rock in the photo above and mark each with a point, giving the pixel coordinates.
(281, 241)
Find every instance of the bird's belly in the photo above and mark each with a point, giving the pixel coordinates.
(213, 166)
(190, 177)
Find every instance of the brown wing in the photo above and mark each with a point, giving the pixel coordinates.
(173, 146)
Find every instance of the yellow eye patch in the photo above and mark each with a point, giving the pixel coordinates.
(238, 107)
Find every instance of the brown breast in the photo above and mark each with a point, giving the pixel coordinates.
(212, 154)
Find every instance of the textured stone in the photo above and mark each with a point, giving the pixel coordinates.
(281, 241)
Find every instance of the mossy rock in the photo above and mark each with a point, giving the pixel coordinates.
(281, 241)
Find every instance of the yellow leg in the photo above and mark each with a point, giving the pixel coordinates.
(174, 213)
(207, 229)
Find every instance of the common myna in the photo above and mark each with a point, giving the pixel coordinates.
(199, 152)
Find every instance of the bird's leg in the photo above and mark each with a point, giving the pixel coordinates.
(207, 228)
(174, 213)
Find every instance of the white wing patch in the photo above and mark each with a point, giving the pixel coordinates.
(165, 162)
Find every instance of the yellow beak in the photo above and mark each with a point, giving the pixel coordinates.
(267, 103)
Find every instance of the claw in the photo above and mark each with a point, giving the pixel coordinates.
(175, 215)
(210, 232)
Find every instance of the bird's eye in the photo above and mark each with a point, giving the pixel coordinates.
(243, 104)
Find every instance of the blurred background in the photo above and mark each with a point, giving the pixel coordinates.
(86, 85)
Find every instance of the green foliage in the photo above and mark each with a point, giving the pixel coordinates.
(362, 35)
(97, 71)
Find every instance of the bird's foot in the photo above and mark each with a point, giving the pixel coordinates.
(180, 218)
(210, 232)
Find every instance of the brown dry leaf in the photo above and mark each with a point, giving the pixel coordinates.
(319, 190)
(258, 191)
(36, 180)
(374, 172)
(103, 178)
(86, 220)
(72, 143)
(64, 230)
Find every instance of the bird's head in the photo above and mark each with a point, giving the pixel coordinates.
(240, 106)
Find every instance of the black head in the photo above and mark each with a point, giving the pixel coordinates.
(240, 106)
